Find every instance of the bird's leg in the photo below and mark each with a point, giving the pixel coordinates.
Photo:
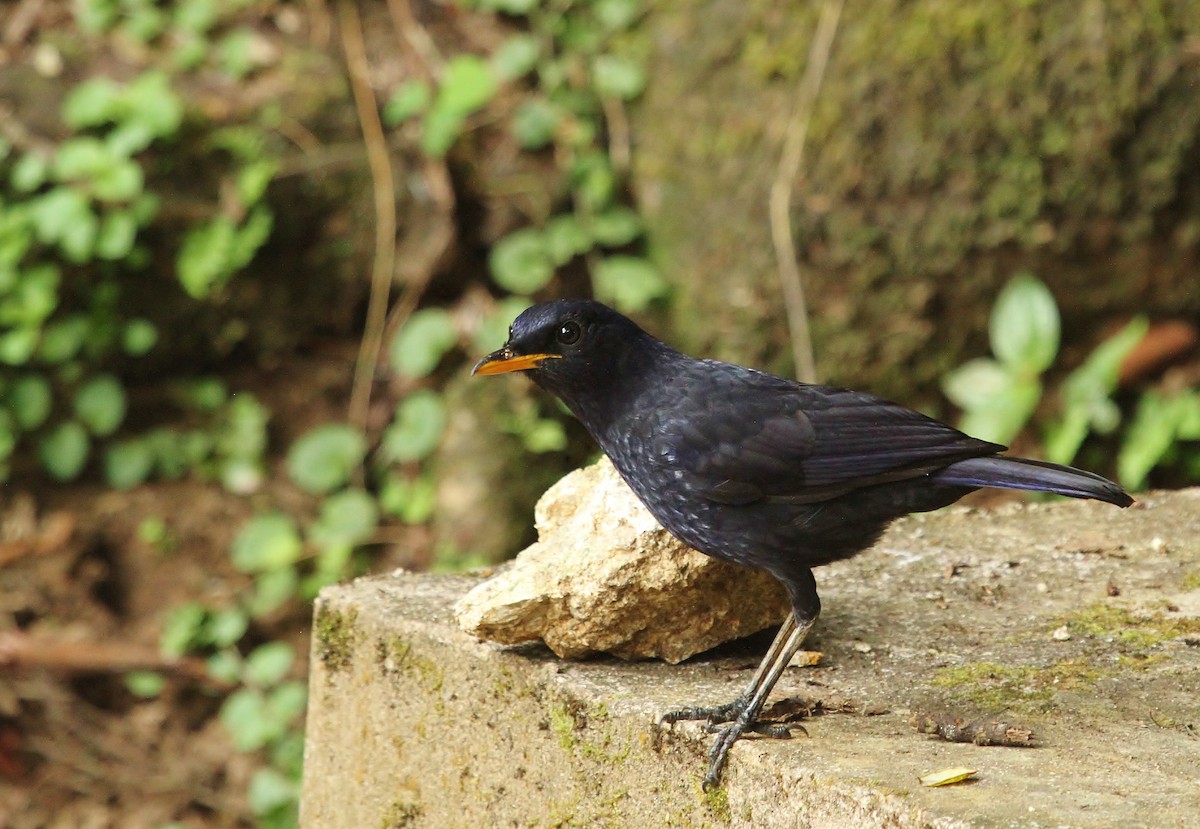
(746, 718)
(741, 715)
(729, 711)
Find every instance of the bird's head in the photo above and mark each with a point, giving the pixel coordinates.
(573, 348)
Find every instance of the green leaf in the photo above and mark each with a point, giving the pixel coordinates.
(243, 715)
(138, 337)
(417, 428)
(30, 400)
(227, 626)
(1151, 435)
(410, 99)
(348, 518)
(324, 458)
(16, 347)
(62, 340)
(618, 77)
(183, 630)
(467, 85)
(100, 405)
(535, 123)
(154, 105)
(203, 260)
(565, 238)
(267, 542)
(114, 239)
(616, 15)
(628, 282)
(64, 450)
(1024, 326)
(270, 790)
(517, 56)
(145, 684)
(128, 463)
(420, 344)
(1001, 418)
(593, 180)
(28, 172)
(225, 666)
(977, 383)
(493, 330)
(269, 664)
(440, 129)
(271, 590)
(252, 180)
(616, 226)
(545, 435)
(91, 103)
(520, 262)
(412, 501)
(196, 16)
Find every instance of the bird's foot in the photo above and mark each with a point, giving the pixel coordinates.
(713, 714)
(730, 722)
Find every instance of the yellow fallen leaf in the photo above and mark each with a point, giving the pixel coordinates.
(946, 777)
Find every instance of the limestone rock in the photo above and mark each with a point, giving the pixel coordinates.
(604, 576)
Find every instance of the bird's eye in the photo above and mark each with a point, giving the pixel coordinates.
(569, 333)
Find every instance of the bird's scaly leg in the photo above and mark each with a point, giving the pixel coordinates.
(741, 715)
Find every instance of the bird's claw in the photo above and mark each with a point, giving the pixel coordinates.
(713, 714)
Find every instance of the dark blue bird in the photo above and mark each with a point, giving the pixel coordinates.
(755, 469)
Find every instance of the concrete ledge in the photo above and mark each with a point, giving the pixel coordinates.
(414, 724)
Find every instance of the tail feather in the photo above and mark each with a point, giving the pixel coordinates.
(1038, 476)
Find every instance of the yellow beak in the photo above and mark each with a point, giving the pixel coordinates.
(503, 361)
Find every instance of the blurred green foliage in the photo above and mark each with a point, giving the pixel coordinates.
(1000, 395)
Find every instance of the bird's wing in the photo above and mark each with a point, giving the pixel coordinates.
(763, 437)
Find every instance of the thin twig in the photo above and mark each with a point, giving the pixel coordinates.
(384, 188)
(781, 192)
(417, 38)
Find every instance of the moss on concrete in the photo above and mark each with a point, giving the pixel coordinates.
(401, 814)
(336, 634)
(1135, 629)
(1018, 688)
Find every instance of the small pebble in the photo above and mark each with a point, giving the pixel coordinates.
(1061, 634)
(862, 647)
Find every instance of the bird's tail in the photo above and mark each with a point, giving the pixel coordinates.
(1039, 476)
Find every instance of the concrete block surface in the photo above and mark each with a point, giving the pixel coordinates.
(1076, 620)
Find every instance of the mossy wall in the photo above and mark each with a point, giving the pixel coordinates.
(952, 145)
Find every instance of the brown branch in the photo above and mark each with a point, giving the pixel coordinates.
(384, 188)
(417, 38)
(20, 650)
(781, 192)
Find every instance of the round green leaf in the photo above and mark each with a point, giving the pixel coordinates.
(977, 383)
(30, 400)
(184, 629)
(61, 341)
(467, 85)
(410, 99)
(517, 56)
(520, 262)
(1024, 326)
(138, 337)
(92, 102)
(348, 517)
(244, 717)
(100, 404)
(618, 77)
(128, 463)
(494, 329)
(416, 429)
(145, 684)
(565, 239)
(269, 664)
(271, 790)
(324, 458)
(616, 226)
(535, 123)
(419, 345)
(118, 230)
(64, 450)
(271, 590)
(225, 627)
(266, 542)
(628, 282)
